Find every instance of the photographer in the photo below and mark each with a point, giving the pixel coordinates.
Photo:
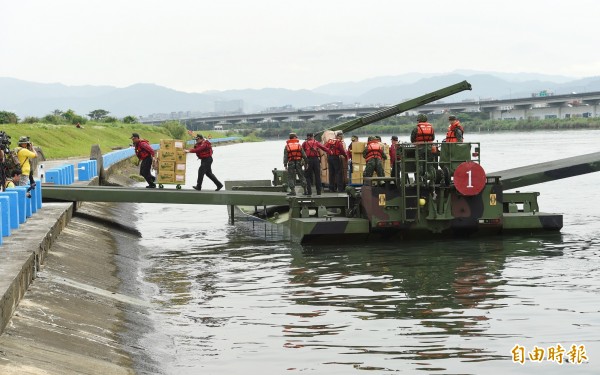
(25, 151)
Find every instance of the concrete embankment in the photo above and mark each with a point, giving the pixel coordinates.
(77, 316)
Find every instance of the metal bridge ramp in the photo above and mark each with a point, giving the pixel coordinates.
(165, 196)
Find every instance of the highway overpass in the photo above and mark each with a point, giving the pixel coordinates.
(535, 107)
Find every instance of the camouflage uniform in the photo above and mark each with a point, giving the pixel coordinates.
(374, 165)
(294, 168)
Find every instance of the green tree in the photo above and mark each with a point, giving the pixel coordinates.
(53, 119)
(176, 130)
(69, 116)
(98, 114)
(130, 119)
(8, 118)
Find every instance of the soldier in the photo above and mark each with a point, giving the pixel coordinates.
(313, 167)
(203, 150)
(374, 156)
(144, 152)
(455, 130)
(293, 154)
(393, 156)
(334, 162)
(423, 132)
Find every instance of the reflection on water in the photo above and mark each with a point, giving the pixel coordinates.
(227, 302)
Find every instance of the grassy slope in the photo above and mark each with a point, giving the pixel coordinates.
(63, 141)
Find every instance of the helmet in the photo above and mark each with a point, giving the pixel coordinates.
(422, 117)
(293, 135)
(451, 118)
(24, 139)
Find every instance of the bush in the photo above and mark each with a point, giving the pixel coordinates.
(30, 120)
(8, 118)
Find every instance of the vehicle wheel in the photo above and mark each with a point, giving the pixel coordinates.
(178, 187)
(160, 186)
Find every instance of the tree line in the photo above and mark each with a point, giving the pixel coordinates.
(59, 117)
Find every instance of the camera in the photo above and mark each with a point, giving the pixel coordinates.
(4, 142)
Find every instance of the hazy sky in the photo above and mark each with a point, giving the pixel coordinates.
(197, 45)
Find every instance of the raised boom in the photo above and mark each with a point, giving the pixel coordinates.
(399, 108)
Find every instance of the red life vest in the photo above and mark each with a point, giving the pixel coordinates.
(424, 132)
(374, 150)
(451, 136)
(294, 150)
(141, 149)
(311, 148)
(205, 150)
(334, 146)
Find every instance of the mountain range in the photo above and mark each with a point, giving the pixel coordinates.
(38, 99)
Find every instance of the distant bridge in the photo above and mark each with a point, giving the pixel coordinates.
(539, 107)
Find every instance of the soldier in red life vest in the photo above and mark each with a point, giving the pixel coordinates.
(203, 150)
(337, 150)
(144, 152)
(455, 130)
(313, 168)
(374, 156)
(423, 132)
(293, 155)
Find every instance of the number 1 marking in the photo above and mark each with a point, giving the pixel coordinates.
(470, 185)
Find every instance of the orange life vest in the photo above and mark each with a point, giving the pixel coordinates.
(294, 150)
(374, 150)
(451, 136)
(424, 132)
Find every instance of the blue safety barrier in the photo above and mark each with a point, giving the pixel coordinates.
(118, 155)
(21, 204)
(216, 140)
(38, 194)
(28, 211)
(5, 216)
(13, 207)
(85, 172)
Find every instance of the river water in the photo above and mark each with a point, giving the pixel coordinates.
(228, 301)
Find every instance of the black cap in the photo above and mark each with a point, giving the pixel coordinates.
(310, 135)
(135, 135)
(199, 136)
(451, 118)
(394, 138)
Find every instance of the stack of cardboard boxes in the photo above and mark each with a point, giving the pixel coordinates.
(171, 162)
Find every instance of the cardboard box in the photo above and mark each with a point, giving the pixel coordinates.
(166, 166)
(167, 144)
(179, 167)
(166, 155)
(180, 158)
(180, 178)
(358, 147)
(178, 144)
(165, 177)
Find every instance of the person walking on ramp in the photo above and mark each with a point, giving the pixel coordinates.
(203, 150)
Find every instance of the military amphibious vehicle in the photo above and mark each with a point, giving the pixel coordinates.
(440, 189)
